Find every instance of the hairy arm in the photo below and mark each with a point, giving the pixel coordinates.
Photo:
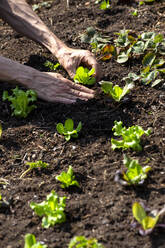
(49, 86)
(19, 15)
(22, 18)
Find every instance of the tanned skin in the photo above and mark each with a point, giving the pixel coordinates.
(52, 87)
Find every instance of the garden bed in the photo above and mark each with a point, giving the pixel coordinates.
(100, 208)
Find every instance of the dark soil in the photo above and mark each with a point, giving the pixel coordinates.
(100, 208)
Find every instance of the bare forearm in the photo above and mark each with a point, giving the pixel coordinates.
(49, 86)
(13, 72)
(22, 18)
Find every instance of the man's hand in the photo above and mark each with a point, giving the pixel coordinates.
(71, 59)
(53, 87)
(49, 86)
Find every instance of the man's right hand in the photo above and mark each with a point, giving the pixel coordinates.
(53, 87)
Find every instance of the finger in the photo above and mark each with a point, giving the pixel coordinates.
(73, 94)
(76, 86)
(82, 95)
(82, 88)
(71, 72)
(64, 100)
(90, 61)
(68, 98)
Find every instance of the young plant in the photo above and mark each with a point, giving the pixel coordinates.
(149, 75)
(135, 47)
(30, 242)
(89, 36)
(51, 66)
(94, 38)
(82, 242)
(67, 178)
(105, 5)
(4, 204)
(84, 76)
(131, 136)
(107, 52)
(46, 4)
(20, 101)
(52, 209)
(123, 40)
(146, 223)
(135, 12)
(115, 92)
(34, 165)
(134, 173)
(68, 129)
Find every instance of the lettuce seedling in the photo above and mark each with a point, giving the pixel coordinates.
(135, 12)
(51, 66)
(84, 76)
(82, 242)
(52, 209)
(67, 178)
(146, 222)
(30, 242)
(115, 92)
(131, 136)
(68, 129)
(34, 165)
(105, 5)
(20, 101)
(134, 173)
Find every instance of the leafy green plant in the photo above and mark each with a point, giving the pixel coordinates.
(107, 52)
(46, 4)
(20, 101)
(130, 46)
(135, 12)
(34, 165)
(84, 76)
(68, 129)
(147, 222)
(67, 178)
(89, 36)
(146, 1)
(82, 242)
(51, 66)
(130, 136)
(115, 92)
(30, 242)
(105, 5)
(134, 173)
(95, 39)
(141, 3)
(52, 209)
(123, 39)
(150, 74)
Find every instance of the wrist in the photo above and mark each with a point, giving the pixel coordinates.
(55, 45)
